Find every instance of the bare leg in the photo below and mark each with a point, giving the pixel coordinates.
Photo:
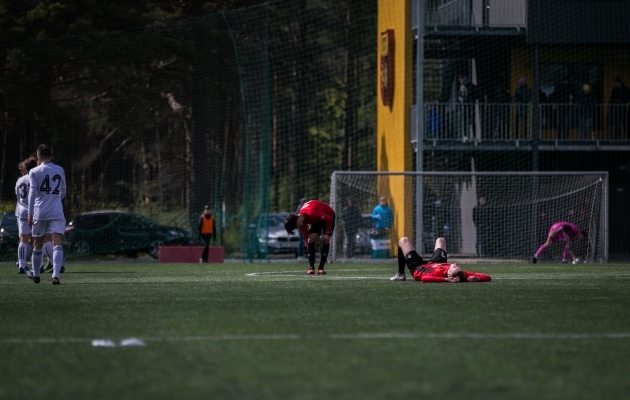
(440, 243)
(405, 245)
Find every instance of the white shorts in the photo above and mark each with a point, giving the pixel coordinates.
(23, 227)
(42, 227)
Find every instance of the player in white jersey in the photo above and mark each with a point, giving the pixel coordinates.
(45, 210)
(21, 212)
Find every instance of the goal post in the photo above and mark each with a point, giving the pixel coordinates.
(518, 210)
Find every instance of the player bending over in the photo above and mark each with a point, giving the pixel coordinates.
(321, 218)
(562, 232)
(437, 269)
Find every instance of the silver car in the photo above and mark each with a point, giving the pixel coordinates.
(272, 237)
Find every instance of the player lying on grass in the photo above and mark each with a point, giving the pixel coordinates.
(321, 219)
(437, 269)
(562, 232)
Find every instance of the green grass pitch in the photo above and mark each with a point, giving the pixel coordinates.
(268, 331)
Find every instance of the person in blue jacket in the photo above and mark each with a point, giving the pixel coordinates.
(383, 216)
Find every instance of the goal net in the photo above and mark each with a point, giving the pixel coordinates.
(488, 215)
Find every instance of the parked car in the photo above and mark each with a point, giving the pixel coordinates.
(119, 232)
(272, 238)
(9, 234)
(365, 232)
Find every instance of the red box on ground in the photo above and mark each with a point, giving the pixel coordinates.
(189, 254)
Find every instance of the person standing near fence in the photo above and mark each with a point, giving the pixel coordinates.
(500, 113)
(617, 109)
(467, 95)
(351, 217)
(207, 229)
(384, 217)
(522, 97)
(586, 101)
(562, 97)
(480, 219)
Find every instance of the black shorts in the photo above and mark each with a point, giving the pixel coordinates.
(415, 261)
(319, 227)
(439, 256)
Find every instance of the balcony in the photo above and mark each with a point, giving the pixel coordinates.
(477, 14)
(571, 126)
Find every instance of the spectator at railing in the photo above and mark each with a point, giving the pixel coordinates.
(500, 113)
(434, 122)
(562, 98)
(617, 110)
(466, 96)
(586, 103)
(522, 97)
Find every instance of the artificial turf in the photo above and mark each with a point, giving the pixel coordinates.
(269, 331)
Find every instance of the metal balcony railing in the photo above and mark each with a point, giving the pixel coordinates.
(584, 122)
(456, 12)
(513, 122)
(476, 13)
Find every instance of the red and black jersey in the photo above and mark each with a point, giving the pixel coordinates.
(436, 272)
(315, 211)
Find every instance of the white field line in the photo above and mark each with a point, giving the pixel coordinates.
(331, 275)
(341, 336)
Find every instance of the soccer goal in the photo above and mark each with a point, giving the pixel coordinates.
(487, 215)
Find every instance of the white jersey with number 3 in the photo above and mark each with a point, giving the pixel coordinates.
(21, 192)
(48, 187)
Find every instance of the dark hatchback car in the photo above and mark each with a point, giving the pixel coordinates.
(119, 232)
(9, 233)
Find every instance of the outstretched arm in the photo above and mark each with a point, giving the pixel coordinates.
(477, 277)
(470, 277)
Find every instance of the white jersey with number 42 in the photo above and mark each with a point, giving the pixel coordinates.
(48, 187)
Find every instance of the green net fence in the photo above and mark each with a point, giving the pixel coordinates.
(244, 111)
(250, 111)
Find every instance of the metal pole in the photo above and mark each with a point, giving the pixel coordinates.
(421, 8)
(333, 204)
(535, 129)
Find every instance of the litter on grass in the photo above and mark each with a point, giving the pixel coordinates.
(132, 342)
(124, 343)
(103, 343)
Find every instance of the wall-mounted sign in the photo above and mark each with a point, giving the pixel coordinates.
(387, 66)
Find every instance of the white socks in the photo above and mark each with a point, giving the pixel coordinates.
(22, 251)
(36, 261)
(57, 260)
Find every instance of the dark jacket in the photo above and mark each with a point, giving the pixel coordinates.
(470, 95)
(586, 101)
(620, 95)
(480, 216)
(351, 217)
(501, 96)
(561, 94)
(522, 96)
